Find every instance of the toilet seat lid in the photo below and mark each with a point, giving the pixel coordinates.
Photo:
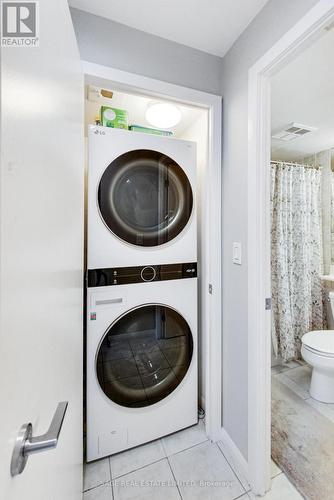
(320, 340)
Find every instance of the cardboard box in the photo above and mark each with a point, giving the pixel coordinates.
(113, 117)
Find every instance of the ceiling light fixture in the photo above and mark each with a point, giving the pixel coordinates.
(163, 115)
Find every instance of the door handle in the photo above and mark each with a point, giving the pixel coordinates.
(26, 444)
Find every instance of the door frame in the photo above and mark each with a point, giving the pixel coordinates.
(211, 220)
(308, 29)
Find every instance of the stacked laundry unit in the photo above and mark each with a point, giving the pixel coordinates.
(142, 289)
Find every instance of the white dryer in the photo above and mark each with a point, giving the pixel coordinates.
(141, 356)
(141, 199)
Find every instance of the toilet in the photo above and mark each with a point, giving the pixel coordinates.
(318, 351)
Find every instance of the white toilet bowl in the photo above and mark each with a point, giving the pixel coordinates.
(318, 352)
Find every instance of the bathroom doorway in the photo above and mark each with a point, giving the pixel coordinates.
(307, 32)
(302, 269)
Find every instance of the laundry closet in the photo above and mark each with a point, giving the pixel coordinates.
(145, 370)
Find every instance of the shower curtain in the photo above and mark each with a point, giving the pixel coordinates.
(296, 256)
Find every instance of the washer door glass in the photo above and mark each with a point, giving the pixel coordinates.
(144, 356)
(145, 198)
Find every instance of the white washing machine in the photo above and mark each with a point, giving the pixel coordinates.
(141, 356)
(141, 199)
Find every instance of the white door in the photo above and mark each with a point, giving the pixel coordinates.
(41, 255)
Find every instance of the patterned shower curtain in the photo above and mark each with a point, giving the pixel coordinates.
(297, 256)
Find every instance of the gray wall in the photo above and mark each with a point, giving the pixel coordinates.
(112, 44)
(273, 21)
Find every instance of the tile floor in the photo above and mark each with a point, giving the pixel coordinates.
(297, 376)
(184, 465)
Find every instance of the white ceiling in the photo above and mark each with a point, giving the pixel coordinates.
(211, 26)
(303, 92)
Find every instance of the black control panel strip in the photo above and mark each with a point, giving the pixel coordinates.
(142, 274)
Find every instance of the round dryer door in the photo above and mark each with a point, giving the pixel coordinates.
(144, 356)
(145, 198)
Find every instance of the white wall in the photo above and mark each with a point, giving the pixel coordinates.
(273, 21)
(112, 44)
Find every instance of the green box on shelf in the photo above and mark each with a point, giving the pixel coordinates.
(148, 130)
(114, 117)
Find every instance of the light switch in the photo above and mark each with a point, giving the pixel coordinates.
(236, 255)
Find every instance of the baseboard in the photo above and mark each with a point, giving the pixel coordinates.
(235, 458)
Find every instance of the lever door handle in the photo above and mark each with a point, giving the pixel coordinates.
(26, 444)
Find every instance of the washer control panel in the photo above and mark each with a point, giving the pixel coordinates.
(126, 275)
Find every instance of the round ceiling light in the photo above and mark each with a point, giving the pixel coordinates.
(163, 115)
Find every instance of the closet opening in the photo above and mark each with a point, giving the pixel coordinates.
(199, 124)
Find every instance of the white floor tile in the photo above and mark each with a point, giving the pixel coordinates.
(291, 384)
(103, 492)
(185, 439)
(278, 369)
(281, 489)
(154, 482)
(284, 367)
(96, 473)
(291, 364)
(203, 473)
(326, 409)
(131, 460)
(235, 467)
(301, 376)
(275, 470)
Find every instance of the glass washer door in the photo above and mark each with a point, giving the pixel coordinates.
(144, 356)
(145, 198)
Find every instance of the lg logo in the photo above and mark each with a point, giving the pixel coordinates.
(19, 23)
